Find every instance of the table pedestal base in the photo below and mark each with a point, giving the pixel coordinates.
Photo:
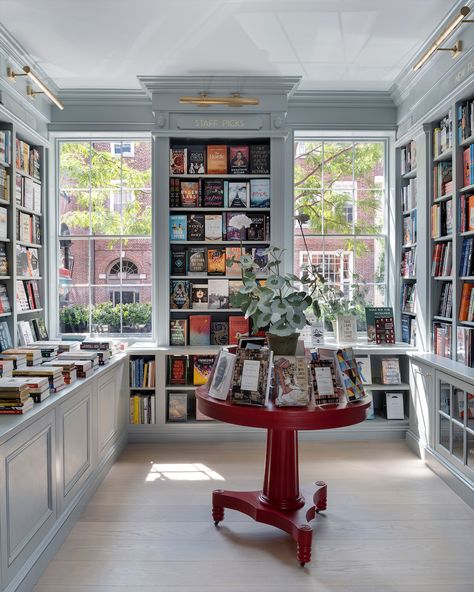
(294, 522)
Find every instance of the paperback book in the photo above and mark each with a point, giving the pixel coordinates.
(251, 377)
(380, 324)
(178, 227)
(200, 296)
(196, 160)
(259, 159)
(197, 263)
(239, 160)
(216, 261)
(222, 375)
(200, 330)
(349, 374)
(260, 193)
(180, 294)
(179, 332)
(216, 159)
(291, 381)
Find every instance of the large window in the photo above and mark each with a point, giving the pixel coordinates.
(341, 186)
(105, 252)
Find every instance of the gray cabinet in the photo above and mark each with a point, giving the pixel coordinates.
(421, 403)
(107, 405)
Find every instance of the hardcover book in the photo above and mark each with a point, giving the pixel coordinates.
(5, 337)
(260, 193)
(213, 194)
(177, 369)
(256, 230)
(189, 194)
(196, 160)
(4, 260)
(239, 327)
(239, 160)
(216, 159)
(177, 406)
(259, 159)
(196, 227)
(251, 377)
(219, 333)
(197, 263)
(349, 374)
(202, 366)
(260, 257)
(36, 197)
(200, 330)
(179, 332)
(216, 262)
(234, 288)
(233, 233)
(390, 371)
(234, 269)
(179, 294)
(323, 379)
(222, 376)
(238, 194)
(178, 227)
(291, 381)
(3, 222)
(365, 368)
(178, 161)
(213, 227)
(380, 324)
(178, 261)
(199, 296)
(218, 293)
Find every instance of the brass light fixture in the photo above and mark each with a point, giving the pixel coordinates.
(457, 47)
(204, 100)
(29, 91)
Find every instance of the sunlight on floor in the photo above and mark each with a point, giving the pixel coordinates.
(182, 472)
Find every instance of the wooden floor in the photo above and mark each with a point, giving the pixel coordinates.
(391, 525)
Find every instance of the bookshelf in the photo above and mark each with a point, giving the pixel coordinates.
(22, 293)
(231, 177)
(409, 216)
(142, 389)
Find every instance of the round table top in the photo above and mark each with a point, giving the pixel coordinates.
(312, 417)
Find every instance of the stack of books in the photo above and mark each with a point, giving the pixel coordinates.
(14, 396)
(68, 369)
(54, 376)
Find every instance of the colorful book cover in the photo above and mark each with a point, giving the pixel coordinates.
(216, 262)
(251, 377)
(260, 193)
(239, 160)
(256, 230)
(390, 371)
(384, 330)
(233, 233)
(196, 227)
(234, 269)
(291, 381)
(197, 260)
(219, 333)
(178, 227)
(179, 332)
(202, 367)
(213, 193)
(218, 293)
(179, 294)
(213, 227)
(260, 257)
(189, 194)
(200, 330)
(178, 161)
(177, 406)
(234, 289)
(196, 160)
(178, 261)
(259, 159)
(199, 296)
(177, 369)
(216, 159)
(349, 374)
(239, 327)
(238, 194)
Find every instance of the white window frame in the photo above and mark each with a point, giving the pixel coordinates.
(124, 148)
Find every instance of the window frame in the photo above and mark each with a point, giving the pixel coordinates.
(54, 236)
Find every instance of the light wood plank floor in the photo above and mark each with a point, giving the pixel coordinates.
(391, 525)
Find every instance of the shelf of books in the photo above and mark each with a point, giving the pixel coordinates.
(142, 383)
(408, 202)
(442, 233)
(215, 186)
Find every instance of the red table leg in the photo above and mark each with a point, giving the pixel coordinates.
(281, 503)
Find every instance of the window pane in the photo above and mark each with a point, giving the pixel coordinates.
(104, 219)
(104, 254)
(106, 168)
(135, 209)
(369, 257)
(137, 162)
(73, 262)
(470, 450)
(369, 165)
(444, 428)
(74, 310)
(74, 215)
(74, 159)
(458, 442)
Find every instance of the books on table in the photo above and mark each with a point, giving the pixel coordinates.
(251, 377)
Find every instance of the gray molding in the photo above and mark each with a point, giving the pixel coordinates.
(99, 96)
(341, 99)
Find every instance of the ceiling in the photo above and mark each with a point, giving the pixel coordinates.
(332, 44)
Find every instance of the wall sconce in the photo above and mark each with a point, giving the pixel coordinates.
(29, 91)
(457, 47)
(204, 100)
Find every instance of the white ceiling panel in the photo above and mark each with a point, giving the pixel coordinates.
(107, 43)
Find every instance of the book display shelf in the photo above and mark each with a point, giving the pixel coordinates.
(142, 383)
(408, 209)
(22, 165)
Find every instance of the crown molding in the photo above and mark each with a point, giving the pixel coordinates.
(408, 79)
(341, 99)
(267, 85)
(103, 96)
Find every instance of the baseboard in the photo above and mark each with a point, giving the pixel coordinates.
(441, 467)
(26, 578)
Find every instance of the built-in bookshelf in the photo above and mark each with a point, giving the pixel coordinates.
(22, 165)
(142, 385)
(409, 211)
(211, 182)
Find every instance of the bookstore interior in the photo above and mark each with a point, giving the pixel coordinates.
(206, 257)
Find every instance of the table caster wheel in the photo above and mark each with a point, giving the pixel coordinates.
(302, 564)
(216, 523)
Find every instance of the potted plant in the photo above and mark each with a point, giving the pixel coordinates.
(279, 303)
(74, 318)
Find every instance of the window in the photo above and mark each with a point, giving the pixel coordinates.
(104, 239)
(341, 186)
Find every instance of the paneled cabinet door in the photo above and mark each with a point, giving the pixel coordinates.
(422, 402)
(28, 503)
(74, 430)
(108, 397)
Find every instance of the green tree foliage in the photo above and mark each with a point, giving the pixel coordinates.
(85, 167)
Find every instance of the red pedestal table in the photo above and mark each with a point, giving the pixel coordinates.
(280, 502)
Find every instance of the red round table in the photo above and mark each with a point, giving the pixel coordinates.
(280, 502)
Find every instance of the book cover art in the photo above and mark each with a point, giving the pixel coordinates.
(178, 227)
(323, 380)
(216, 262)
(202, 366)
(256, 230)
(251, 377)
(239, 160)
(365, 368)
(200, 330)
(234, 269)
(178, 261)
(219, 333)
(213, 227)
(178, 161)
(36, 197)
(196, 160)
(233, 233)
(349, 374)
(189, 194)
(179, 332)
(179, 294)
(234, 289)
(4, 260)
(260, 258)
(222, 375)
(239, 327)
(218, 293)
(197, 260)
(3, 222)
(216, 159)
(259, 159)
(199, 296)
(177, 406)
(291, 381)
(213, 193)
(177, 369)
(390, 371)
(196, 227)
(385, 326)
(238, 194)
(260, 193)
